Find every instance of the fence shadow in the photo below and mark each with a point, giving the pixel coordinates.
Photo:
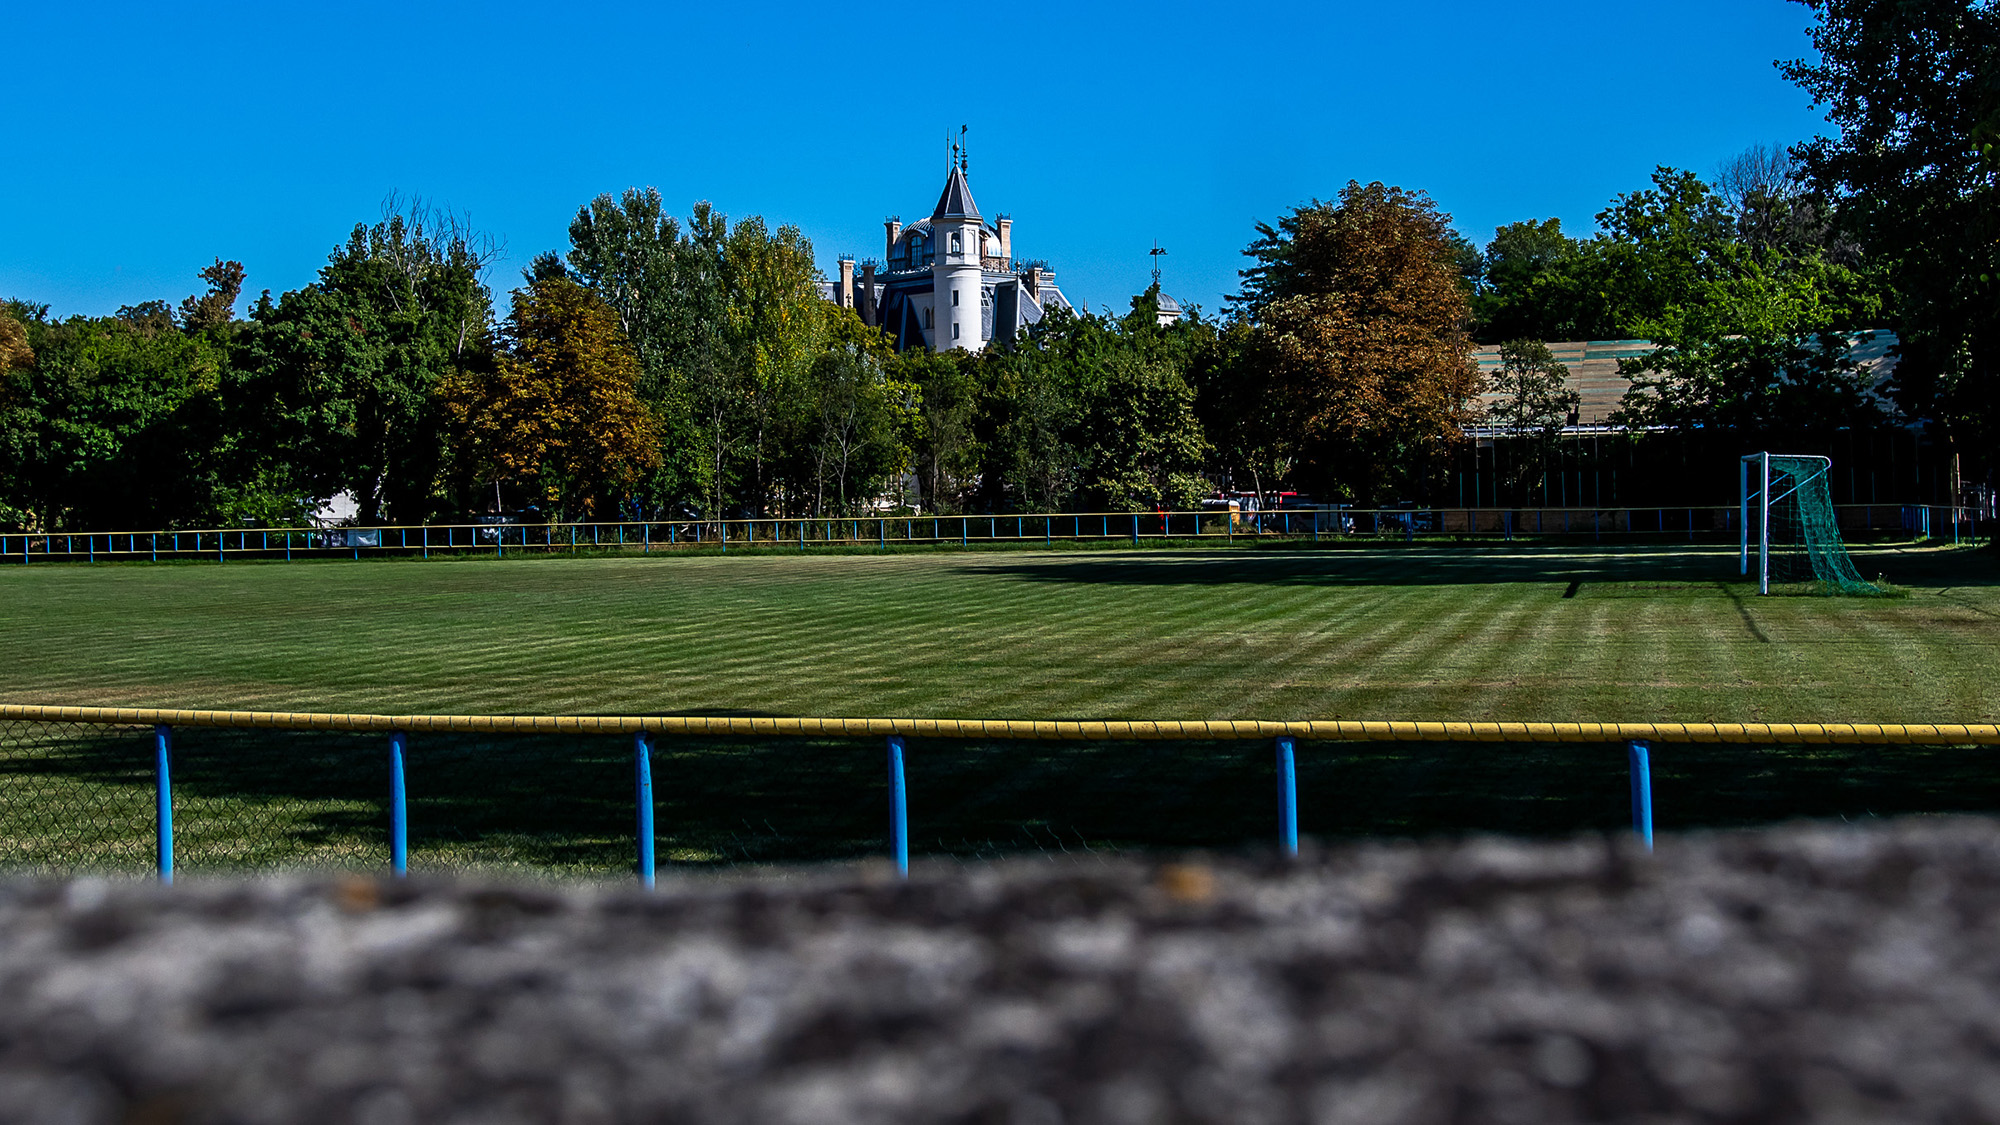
(81, 799)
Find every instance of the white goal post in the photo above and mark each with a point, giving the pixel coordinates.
(1759, 464)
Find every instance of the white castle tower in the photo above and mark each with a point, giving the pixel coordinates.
(950, 280)
(958, 278)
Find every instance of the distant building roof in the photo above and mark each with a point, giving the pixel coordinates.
(1593, 370)
(956, 200)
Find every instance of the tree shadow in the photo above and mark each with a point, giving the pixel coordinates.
(1481, 565)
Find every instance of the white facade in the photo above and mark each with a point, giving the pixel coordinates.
(950, 280)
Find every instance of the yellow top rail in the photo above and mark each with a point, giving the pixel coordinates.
(1329, 730)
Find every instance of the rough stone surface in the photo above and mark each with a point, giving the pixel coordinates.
(1804, 973)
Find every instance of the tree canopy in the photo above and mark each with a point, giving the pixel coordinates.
(1365, 353)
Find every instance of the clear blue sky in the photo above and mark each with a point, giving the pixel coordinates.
(147, 140)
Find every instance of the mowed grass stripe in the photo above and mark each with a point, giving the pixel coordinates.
(1652, 634)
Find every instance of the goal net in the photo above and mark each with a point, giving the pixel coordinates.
(1787, 512)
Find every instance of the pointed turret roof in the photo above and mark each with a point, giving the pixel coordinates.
(956, 201)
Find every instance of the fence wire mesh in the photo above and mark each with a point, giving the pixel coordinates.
(78, 798)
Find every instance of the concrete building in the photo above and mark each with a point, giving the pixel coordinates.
(948, 281)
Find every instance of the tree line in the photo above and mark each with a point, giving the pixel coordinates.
(667, 367)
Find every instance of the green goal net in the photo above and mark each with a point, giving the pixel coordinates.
(1788, 515)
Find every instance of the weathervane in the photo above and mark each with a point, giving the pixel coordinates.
(1156, 252)
(954, 151)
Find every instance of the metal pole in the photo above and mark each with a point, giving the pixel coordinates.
(642, 761)
(1764, 529)
(1288, 798)
(899, 817)
(1743, 516)
(163, 801)
(1642, 792)
(399, 815)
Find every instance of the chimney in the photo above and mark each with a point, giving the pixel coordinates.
(868, 295)
(1006, 226)
(846, 294)
(1035, 282)
(895, 227)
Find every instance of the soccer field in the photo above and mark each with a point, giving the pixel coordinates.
(1432, 633)
(1654, 633)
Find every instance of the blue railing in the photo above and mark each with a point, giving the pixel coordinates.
(647, 536)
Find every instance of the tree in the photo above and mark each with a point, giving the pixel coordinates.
(946, 451)
(861, 420)
(1915, 170)
(1239, 415)
(1532, 400)
(559, 411)
(1752, 338)
(114, 422)
(1091, 411)
(666, 283)
(727, 322)
(1364, 320)
(216, 308)
(1538, 283)
(340, 377)
(14, 350)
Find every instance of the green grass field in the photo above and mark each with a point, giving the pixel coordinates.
(1381, 633)
(1455, 633)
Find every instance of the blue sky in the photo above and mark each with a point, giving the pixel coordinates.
(147, 140)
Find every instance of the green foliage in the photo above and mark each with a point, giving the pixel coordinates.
(1751, 337)
(1911, 87)
(728, 325)
(667, 285)
(1540, 284)
(113, 422)
(1533, 401)
(340, 378)
(1093, 413)
(945, 449)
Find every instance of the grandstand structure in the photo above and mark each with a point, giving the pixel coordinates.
(1601, 387)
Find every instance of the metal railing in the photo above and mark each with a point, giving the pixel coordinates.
(883, 531)
(80, 731)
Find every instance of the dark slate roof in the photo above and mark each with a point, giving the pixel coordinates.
(956, 201)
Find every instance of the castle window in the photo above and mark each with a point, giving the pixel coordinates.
(954, 298)
(930, 320)
(954, 331)
(957, 245)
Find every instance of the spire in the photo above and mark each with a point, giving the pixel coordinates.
(956, 200)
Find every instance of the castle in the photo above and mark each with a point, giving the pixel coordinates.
(949, 281)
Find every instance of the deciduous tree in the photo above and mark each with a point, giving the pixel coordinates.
(559, 411)
(1532, 401)
(1364, 317)
(1913, 87)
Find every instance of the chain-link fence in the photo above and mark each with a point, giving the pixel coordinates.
(257, 795)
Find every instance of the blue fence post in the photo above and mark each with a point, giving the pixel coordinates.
(1642, 791)
(642, 763)
(399, 813)
(899, 817)
(1288, 797)
(163, 801)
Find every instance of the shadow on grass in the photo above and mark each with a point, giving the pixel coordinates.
(262, 799)
(1484, 564)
